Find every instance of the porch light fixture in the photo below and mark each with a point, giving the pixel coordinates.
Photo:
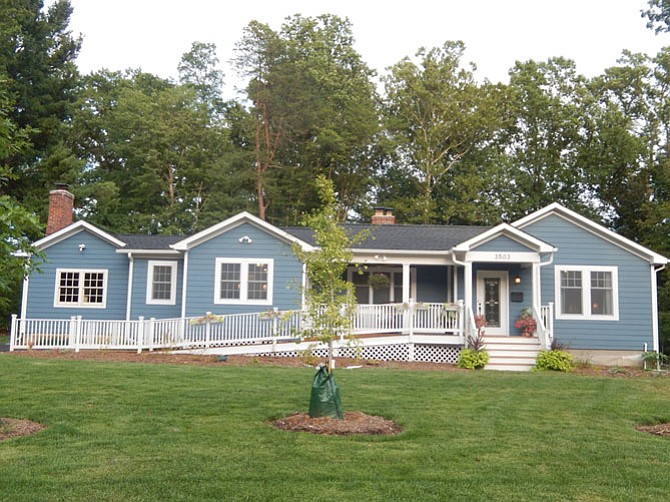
(517, 279)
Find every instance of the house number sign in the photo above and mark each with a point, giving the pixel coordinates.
(502, 256)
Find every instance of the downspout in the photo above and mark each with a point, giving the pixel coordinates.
(131, 268)
(467, 296)
(654, 306)
(536, 280)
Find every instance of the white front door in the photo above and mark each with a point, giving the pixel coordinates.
(492, 293)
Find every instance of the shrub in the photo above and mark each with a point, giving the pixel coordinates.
(472, 359)
(555, 360)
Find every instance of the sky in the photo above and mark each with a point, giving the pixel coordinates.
(153, 34)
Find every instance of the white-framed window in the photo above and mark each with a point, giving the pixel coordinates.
(587, 292)
(82, 288)
(243, 281)
(161, 282)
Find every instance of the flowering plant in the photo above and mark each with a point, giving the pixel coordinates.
(526, 323)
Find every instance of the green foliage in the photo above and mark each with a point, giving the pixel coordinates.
(329, 298)
(658, 15)
(555, 360)
(313, 113)
(472, 358)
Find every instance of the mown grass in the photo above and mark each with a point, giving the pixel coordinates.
(160, 432)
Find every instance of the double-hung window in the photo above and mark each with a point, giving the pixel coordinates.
(80, 288)
(243, 281)
(587, 292)
(162, 282)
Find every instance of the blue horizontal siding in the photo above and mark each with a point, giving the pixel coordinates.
(201, 270)
(139, 306)
(577, 246)
(502, 243)
(432, 284)
(65, 254)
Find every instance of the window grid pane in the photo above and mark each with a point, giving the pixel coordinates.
(571, 292)
(601, 293)
(257, 281)
(230, 281)
(68, 287)
(93, 287)
(162, 282)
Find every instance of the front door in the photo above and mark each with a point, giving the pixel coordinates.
(492, 292)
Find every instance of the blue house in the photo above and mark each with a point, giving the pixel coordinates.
(420, 286)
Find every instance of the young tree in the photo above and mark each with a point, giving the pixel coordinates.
(329, 299)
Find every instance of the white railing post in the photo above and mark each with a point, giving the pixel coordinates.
(72, 333)
(12, 333)
(411, 312)
(275, 328)
(208, 329)
(550, 320)
(461, 321)
(77, 333)
(140, 334)
(152, 332)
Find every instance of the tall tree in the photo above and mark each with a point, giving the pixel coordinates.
(37, 54)
(658, 15)
(198, 69)
(18, 227)
(436, 114)
(313, 112)
(158, 156)
(547, 110)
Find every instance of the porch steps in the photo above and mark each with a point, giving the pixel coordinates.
(511, 353)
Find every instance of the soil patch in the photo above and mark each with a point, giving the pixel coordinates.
(13, 427)
(656, 429)
(353, 423)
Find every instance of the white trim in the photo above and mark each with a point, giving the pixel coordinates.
(594, 228)
(149, 253)
(24, 298)
(129, 299)
(184, 285)
(503, 275)
(502, 257)
(81, 304)
(654, 307)
(586, 292)
(150, 283)
(74, 229)
(244, 281)
(233, 222)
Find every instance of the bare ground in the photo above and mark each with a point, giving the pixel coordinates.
(353, 422)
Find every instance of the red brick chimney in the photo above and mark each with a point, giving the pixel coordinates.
(60, 209)
(383, 216)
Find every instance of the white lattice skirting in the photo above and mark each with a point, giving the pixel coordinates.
(422, 353)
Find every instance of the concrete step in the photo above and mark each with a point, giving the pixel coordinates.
(511, 359)
(508, 367)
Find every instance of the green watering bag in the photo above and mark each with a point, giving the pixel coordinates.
(325, 398)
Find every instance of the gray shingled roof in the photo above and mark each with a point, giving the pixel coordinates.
(403, 237)
(391, 237)
(138, 241)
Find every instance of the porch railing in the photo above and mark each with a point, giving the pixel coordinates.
(218, 330)
(545, 324)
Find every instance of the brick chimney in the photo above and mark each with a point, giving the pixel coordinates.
(383, 216)
(60, 209)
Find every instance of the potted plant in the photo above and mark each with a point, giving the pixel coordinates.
(526, 322)
(379, 281)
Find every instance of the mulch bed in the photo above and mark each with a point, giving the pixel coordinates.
(13, 427)
(353, 423)
(657, 429)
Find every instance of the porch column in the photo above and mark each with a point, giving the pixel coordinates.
(467, 278)
(405, 283)
(537, 300)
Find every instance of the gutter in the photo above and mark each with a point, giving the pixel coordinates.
(129, 299)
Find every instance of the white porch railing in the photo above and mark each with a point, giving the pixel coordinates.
(219, 330)
(545, 324)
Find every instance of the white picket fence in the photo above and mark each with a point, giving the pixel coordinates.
(270, 327)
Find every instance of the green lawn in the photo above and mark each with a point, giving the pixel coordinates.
(131, 432)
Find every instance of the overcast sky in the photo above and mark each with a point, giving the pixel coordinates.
(153, 34)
